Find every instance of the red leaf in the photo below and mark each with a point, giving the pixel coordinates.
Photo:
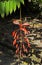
(17, 50)
(14, 42)
(16, 45)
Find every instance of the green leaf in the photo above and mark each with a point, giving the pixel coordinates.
(18, 3)
(11, 6)
(7, 7)
(22, 1)
(14, 5)
(2, 9)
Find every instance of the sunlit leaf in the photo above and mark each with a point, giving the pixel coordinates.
(34, 58)
(18, 3)
(11, 6)
(7, 7)
(2, 9)
(14, 5)
(22, 1)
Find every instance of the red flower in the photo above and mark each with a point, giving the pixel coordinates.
(22, 27)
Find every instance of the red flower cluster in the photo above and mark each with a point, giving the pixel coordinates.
(18, 35)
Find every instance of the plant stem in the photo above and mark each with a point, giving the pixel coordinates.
(20, 13)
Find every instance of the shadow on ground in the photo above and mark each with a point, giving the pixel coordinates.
(6, 56)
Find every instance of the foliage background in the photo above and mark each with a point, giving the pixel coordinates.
(8, 6)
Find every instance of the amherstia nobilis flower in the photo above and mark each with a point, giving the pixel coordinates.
(21, 41)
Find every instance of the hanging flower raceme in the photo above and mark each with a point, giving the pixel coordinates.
(21, 41)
